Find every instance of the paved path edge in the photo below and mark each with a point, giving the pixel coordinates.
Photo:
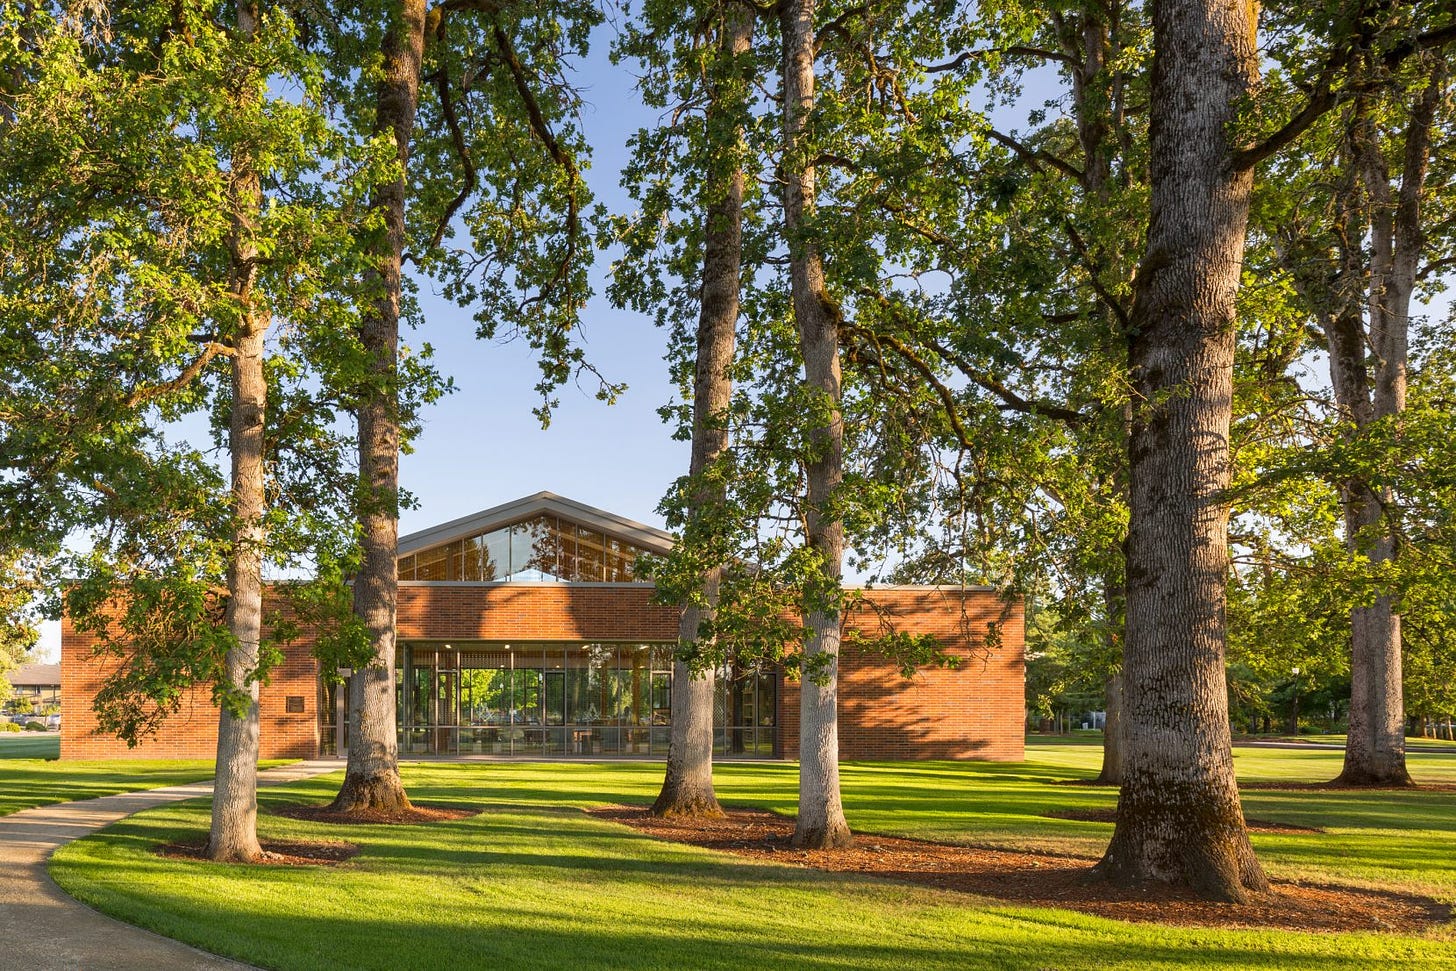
(46, 929)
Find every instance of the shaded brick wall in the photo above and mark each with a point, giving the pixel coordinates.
(973, 712)
(191, 733)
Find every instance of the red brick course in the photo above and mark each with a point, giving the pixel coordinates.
(975, 711)
(191, 733)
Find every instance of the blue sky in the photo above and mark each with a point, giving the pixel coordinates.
(482, 446)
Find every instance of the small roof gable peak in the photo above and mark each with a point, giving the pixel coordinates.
(640, 534)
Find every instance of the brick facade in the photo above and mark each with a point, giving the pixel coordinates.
(191, 733)
(974, 711)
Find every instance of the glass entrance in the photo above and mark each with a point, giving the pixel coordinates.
(555, 699)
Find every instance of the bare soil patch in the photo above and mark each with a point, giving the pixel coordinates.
(399, 817)
(1110, 816)
(275, 852)
(1041, 879)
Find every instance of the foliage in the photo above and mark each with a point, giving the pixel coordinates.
(127, 136)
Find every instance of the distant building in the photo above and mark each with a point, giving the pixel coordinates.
(523, 631)
(41, 683)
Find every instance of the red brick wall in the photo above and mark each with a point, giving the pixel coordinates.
(191, 733)
(533, 612)
(975, 711)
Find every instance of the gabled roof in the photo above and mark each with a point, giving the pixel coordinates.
(619, 527)
(35, 675)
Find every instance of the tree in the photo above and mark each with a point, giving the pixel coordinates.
(371, 779)
(1179, 819)
(18, 631)
(148, 276)
(818, 318)
(694, 572)
(469, 103)
(1359, 295)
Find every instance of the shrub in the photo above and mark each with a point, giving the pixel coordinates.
(9, 727)
(35, 726)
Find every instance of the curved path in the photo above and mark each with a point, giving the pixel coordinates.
(42, 929)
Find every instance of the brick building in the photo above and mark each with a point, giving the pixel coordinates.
(522, 633)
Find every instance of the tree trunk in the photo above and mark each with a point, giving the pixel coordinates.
(687, 787)
(233, 836)
(1179, 819)
(372, 776)
(1375, 748)
(821, 822)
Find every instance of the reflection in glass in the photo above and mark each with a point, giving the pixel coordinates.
(541, 699)
(540, 548)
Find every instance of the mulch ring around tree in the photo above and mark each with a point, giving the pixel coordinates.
(396, 817)
(1110, 816)
(275, 852)
(1421, 787)
(1042, 879)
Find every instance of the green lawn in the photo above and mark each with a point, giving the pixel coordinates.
(30, 745)
(1339, 740)
(534, 883)
(30, 776)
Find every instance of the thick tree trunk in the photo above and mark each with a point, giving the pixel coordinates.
(821, 820)
(372, 777)
(1375, 749)
(687, 787)
(233, 835)
(1179, 819)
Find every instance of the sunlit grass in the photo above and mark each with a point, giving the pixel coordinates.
(30, 745)
(29, 782)
(534, 883)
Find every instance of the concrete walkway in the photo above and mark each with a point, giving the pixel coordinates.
(42, 929)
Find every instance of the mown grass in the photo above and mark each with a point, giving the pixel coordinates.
(534, 883)
(30, 745)
(28, 779)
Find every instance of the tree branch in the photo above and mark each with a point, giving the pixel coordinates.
(1325, 95)
(1037, 158)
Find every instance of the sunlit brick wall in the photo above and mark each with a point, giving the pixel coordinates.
(974, 711)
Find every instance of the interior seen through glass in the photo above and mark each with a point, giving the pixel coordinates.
(540, 548)
(566, 699)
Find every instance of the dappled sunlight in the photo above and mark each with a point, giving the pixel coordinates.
(532, 881)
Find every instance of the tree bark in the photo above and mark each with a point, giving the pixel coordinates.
(372, 775)
(233, 835)
(821, 822)
(234, 832)
(1375, 748)
(687, 787)
(1179, 819)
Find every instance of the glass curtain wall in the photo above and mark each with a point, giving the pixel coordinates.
(565, 699)
(543, 548)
